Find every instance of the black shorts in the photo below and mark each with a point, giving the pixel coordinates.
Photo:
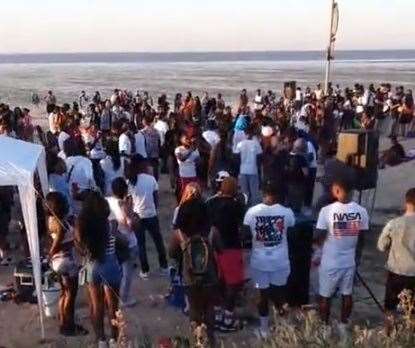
(395, 283)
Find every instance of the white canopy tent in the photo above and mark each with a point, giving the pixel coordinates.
(19, 162)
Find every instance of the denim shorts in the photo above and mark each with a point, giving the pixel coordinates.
(106, 273)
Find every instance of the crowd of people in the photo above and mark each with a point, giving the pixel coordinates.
(243, 177)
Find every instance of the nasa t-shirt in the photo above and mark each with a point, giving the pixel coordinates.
(269, 224)
(344, 223)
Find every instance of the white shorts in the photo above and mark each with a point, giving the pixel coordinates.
(263, 279)
(331, 280)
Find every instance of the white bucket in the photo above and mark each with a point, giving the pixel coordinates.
(50, 301)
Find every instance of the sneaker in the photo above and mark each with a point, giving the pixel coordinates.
(130, 303)
(6, 261)
(343, 332)
(164, 272)
(218, 318)
(326, 332)
(112, 343)
(262, 334)
(102, 344)
(230, 325)
(143, 275)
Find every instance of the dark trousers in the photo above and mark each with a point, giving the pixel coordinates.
(154, 163)
(311, 179)
(202, 310)
(152, 226)
(395, 283)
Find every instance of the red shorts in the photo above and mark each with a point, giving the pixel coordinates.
(231, 267)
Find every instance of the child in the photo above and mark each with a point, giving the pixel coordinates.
(341, 226)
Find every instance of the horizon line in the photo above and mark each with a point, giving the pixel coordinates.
(206, 52)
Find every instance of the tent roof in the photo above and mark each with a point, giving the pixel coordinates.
(18, 159)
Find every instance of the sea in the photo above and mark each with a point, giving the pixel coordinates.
(215, 72)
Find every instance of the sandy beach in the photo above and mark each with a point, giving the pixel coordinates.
(19, 324)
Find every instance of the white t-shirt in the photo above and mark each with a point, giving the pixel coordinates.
(143, 196)
(187, 168)
(162, 127)
(238, 136)
(140, 144)
(343, 222)
(117, 214)
(312, 151)
(124, 144)
(249, 149)
(110, 173)
(52, 125)
(269, 224)
(80, 172)
(211, 137)
(298, 95)
(62, 137)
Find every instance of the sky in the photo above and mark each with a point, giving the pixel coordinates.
(34, 26)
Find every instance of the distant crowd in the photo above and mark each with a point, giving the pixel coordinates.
(243, 177)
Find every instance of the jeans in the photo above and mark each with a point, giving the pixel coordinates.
(250, 187)
(127, 275)
(152, 226)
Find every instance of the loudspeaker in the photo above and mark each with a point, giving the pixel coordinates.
(360, 150)
(289, 89)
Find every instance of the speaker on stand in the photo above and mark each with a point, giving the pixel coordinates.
(359, 149)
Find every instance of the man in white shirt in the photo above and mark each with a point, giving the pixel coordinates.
(342, 226)
(319, 93)
(187, 156)
(124, 144)
(140, 144)
(161, 127)
(120, 212)
(258, 100)
(268, 224)
(249, 151)
(210, 135)
(145, 202)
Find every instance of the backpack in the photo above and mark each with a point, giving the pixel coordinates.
(196, 260)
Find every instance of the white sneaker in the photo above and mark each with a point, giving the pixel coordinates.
(102, 344)
(112, 343)
(342, 329)
(143, 275)
(326, 332)
(262, 334)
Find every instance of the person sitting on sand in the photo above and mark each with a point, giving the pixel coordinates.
(394, 156)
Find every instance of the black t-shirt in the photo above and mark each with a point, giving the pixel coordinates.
(192, 218)
(226, 214)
